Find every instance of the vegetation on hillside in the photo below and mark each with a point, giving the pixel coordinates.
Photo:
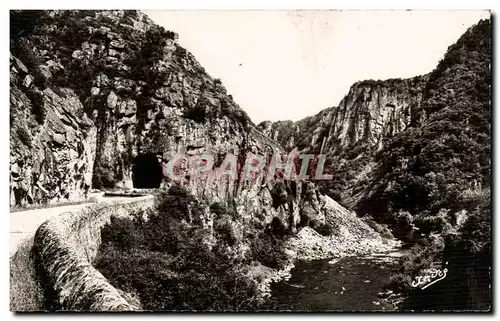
(170, 259)
(439, 168)
(429, 177)
(441, 162)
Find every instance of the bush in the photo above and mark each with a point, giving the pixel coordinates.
(267, 249)
(425, 255)
(180, 51)
(196, 279)
(24, 52)
(119, 232)
(325, 229)
(430, 224)
(198, 114)
(225, 233)
(277, 228)
(41, 81)
(177, 203)
(37, 106)
(24, 136)
(170, 264)
(24, 22)
(279, 195)
(156, 40)
(383, 230)
(104, 175)
(218, 209)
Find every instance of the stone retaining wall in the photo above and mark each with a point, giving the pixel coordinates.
(65, 247)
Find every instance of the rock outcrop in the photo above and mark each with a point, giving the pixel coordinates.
(372, 111)
(351, 133)
(82, 111)
(351, 236)
(51, 161)
(416, 154)
(95, 93)
(377, 120)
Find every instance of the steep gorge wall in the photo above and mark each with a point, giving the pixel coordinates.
(52, 161)
(372, 111)
(93, 90)
(416, 154)
(65, 247)
(352, 133)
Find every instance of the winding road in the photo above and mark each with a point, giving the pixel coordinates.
(23, 224)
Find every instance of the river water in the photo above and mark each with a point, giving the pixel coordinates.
(346, 284)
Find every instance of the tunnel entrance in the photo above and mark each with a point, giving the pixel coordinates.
(147, 171)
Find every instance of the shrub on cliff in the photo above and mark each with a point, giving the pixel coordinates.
(267, 249)
(104, 175)
(278, 194)
(120, 232)
(198, 114)
(23, 22)
(277, 228)
(37, 105)
(179, 204)
(424, 255)
(156, 40)
(40, 80)
(218, 209)
(180, 51)
(324, 229)
(23, 50)
(382, 229)
(24, 136)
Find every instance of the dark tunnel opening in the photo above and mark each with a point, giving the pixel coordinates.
(147, 171)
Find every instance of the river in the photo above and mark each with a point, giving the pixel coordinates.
(346, 284)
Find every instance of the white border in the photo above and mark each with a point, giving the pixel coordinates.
(196, 5)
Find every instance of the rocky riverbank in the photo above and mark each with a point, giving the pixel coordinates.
(351, 237)
(308, 245)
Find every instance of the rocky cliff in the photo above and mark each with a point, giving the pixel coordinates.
(426, 167)
(354, 131)
(416, 154)
(372, 111)
(102, 88)
(99, 99)
(366, 132)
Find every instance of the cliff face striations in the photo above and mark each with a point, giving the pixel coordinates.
(381, 128)
(99, 88)
(351, 133)
(416, 154)
(372, 111)
(105, 99)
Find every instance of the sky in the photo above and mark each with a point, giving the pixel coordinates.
(287, 65)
